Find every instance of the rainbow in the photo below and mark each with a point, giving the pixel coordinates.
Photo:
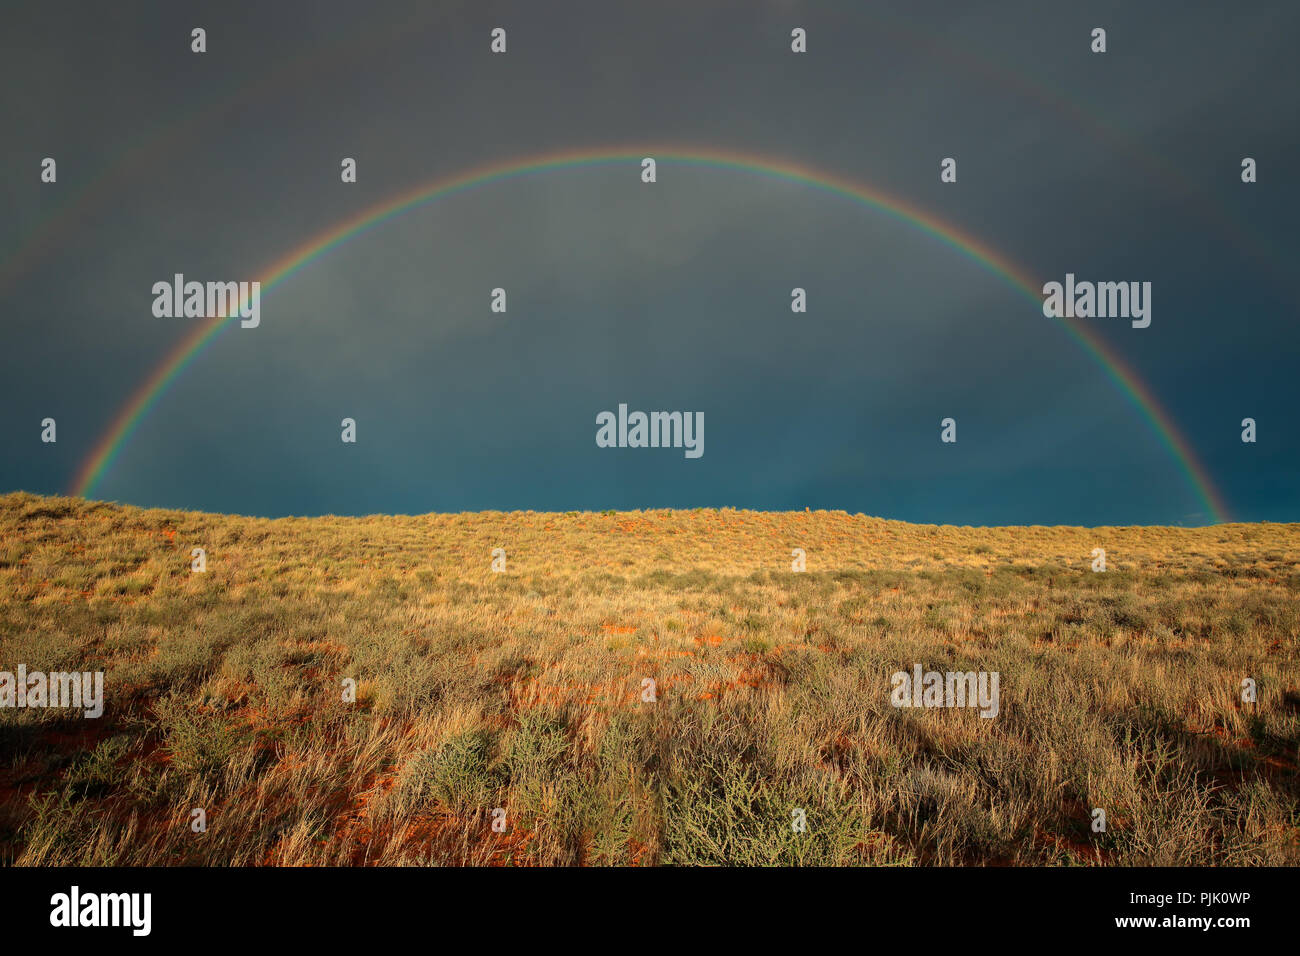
(147, 395)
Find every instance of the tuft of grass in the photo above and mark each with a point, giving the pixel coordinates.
(457, 775)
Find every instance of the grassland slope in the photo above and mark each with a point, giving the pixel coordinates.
(521, 696)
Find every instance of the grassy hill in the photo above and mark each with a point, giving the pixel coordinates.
(522, 691)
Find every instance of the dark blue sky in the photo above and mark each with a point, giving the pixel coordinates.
(671, 296)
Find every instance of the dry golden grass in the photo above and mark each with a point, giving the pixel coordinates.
(522, 690)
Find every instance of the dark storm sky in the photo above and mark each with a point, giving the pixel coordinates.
(671, 296)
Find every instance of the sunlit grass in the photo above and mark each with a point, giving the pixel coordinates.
(524, 691)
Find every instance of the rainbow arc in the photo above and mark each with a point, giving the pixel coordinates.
(147, 395)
